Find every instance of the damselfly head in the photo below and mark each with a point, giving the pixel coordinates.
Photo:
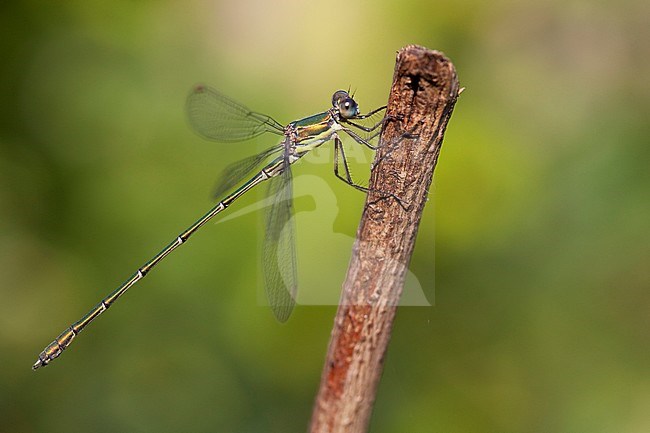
(348, 108)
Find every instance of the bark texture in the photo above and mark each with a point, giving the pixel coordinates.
(422, 97)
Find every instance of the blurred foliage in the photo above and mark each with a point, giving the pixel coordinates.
(540, 226)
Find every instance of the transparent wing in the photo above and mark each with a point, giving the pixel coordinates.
(279, 255)
(217, 117)
(236, 172)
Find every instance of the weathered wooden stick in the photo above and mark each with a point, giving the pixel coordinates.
(424, 91)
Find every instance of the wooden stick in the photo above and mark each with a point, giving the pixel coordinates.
(424, 91)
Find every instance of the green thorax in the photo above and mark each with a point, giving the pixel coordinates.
(314, 130)
(312, 120)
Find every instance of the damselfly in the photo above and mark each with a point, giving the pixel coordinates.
(217, 117)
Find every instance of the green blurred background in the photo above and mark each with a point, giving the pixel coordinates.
(541, 222)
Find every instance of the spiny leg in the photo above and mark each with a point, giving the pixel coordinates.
(408, 135)
(358, 138)
(364, 116)
(376, 110)
(338, 145)
(366, 128)
(365, 141)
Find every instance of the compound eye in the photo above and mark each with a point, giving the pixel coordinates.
(348, 108)
(339, 96)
